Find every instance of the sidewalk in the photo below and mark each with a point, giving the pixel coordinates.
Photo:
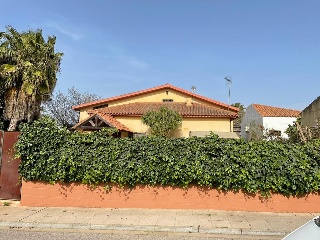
(209, 222)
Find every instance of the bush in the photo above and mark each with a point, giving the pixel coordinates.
(162, 122)
(52, 153)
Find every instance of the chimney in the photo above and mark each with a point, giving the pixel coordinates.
(189, 102)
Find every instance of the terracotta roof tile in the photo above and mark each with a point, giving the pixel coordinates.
(138, 109)
(268, 111)
(165, 86)
(114, 122)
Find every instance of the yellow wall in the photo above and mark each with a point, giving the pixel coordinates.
(188, 124)
(133, 123)
(84, 113)
(204, 124)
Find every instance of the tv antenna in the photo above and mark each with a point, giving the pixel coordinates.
(193, 88)
(229, 82)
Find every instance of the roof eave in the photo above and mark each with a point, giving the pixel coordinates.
(183, 115)
(107, 100)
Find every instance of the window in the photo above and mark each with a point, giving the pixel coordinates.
(100, 106)
(167, 100)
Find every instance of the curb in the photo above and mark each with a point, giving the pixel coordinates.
(229, 231)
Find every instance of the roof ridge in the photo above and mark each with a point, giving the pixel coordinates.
(271, 111)
(257, 104)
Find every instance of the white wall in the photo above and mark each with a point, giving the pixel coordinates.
(251, 116)
(278, 123)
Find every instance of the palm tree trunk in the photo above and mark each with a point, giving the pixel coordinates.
(11, 111)
(13, 124)
(20, 108)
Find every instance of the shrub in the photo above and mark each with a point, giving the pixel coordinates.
(52, 153)
(162, 122)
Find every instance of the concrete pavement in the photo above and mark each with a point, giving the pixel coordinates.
(210, 222)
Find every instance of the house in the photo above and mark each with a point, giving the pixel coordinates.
(310, 116)
(263, 119)
(200, 115)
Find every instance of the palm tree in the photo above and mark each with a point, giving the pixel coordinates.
(28, 68)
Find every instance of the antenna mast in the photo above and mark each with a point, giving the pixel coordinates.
(229, 82)
(193, 88)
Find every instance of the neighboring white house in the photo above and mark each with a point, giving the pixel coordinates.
(267, 118)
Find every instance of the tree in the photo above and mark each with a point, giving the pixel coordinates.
(298, 133)
(28, 68)
(292, 132)
(255, 132)
(162, 122)
(238, 120)
(60, 106)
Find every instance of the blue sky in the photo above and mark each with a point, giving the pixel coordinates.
(269, 48)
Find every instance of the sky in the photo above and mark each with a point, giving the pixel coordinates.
(270, 49)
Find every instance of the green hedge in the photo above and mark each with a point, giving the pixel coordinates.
(53, 154)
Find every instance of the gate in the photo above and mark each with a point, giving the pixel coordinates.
(1, 144)
(9, 176)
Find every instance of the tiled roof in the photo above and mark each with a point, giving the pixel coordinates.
(114, 122)
(139, 108)
(162, 87)
(268, 111)
(107, 118)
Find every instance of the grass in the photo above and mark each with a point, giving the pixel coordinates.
(6, 204)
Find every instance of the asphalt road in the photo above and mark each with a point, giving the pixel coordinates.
(13, 234)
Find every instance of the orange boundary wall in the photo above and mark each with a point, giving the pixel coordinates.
(80, 195)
